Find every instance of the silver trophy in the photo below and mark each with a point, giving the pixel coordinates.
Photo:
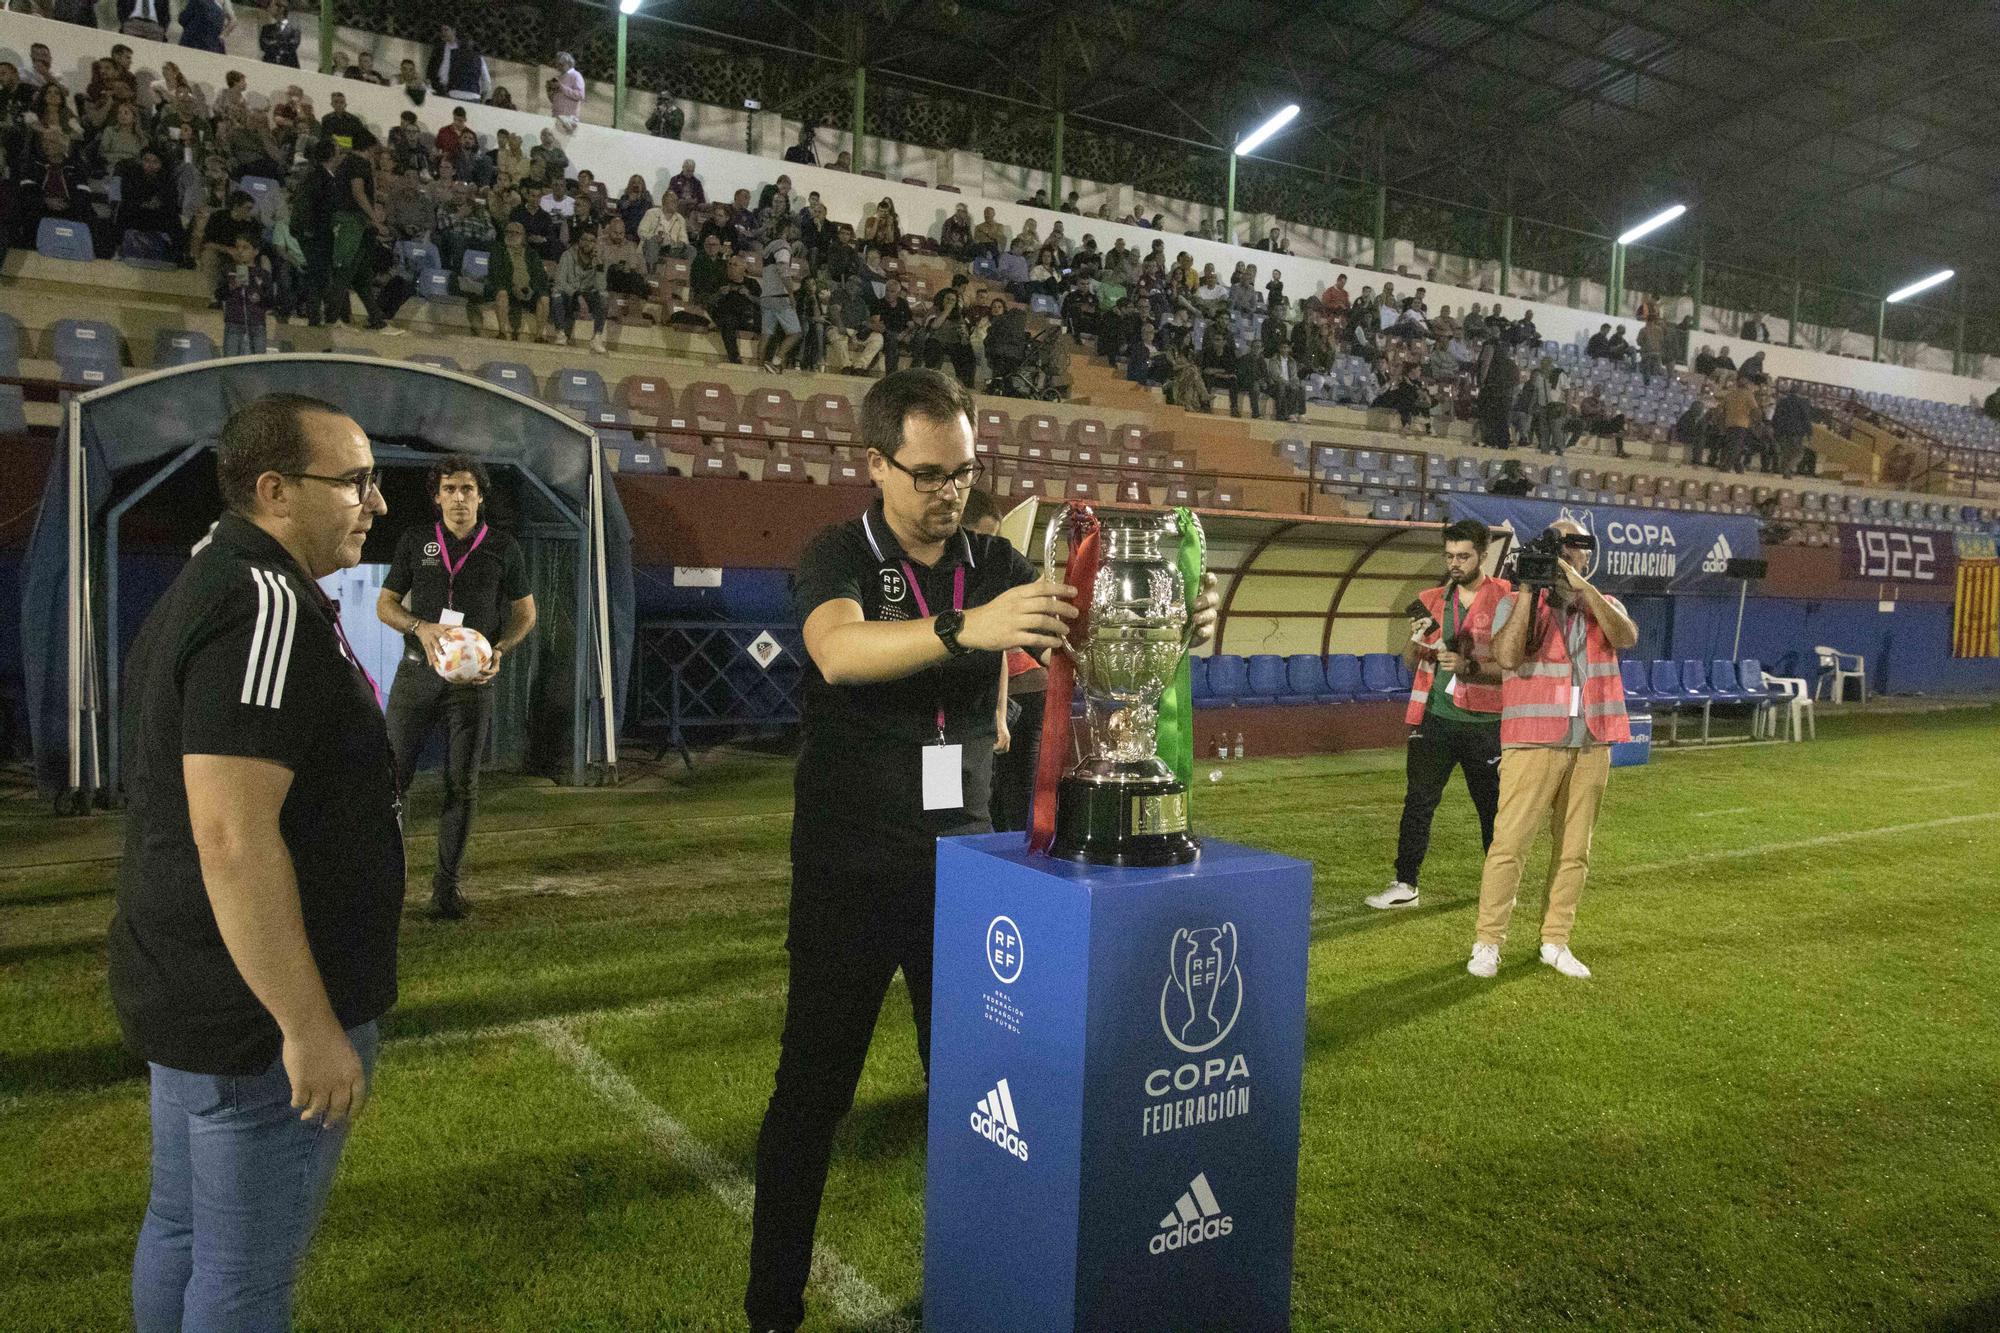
(1121, 805)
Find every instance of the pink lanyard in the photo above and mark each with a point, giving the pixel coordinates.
(957, 604)
(451, 570)
(333, 614)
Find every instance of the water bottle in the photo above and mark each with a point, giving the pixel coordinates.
(1239, 745)
(1222, 745)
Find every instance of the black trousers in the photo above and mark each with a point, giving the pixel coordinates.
(1014, 771)
(1435, 746)
(417, 700)
(853, 924)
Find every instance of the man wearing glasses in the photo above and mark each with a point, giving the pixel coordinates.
(454, 570)
(907, 620)
(253, 946)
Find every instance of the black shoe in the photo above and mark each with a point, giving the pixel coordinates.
(450, 906)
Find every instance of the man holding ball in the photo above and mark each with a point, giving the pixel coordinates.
(453, 572)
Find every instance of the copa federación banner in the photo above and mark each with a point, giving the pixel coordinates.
(1638, 550)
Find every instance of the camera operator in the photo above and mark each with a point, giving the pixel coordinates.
(1562, 705)
(1454, 711)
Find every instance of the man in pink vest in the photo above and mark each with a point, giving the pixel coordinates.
(1454, 711)
(1562, 705)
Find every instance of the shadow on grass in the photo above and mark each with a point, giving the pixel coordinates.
(1360, 1015)
(45, 949)
(69, 1069)
(1982, 1316)
(1362, 919)
(886, 1130)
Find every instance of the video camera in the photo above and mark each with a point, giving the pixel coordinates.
(1534, 564)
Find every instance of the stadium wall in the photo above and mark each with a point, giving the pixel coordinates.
(614, 155)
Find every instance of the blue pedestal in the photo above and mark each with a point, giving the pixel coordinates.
(1114, 1099)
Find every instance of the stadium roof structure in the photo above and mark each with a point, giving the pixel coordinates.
(1852, 139)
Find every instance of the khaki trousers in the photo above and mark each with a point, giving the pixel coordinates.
(1564, 786)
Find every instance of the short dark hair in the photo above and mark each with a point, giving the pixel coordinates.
(930, 394)
(447, 464)
(1469, 530)
(267, 434)
(980, 506)
(241, 199)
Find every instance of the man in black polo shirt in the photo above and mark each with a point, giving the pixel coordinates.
(455, 571)
(254, 941)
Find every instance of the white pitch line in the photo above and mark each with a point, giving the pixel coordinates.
(1799, 844)
(1732, 810)
(852, 1296)
(645, 1009)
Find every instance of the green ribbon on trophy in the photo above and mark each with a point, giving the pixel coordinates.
(1176, 730)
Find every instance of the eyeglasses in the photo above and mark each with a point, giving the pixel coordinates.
(931, 480)
(357, 485)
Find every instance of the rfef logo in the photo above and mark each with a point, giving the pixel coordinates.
(431, 549)
(1004, 956)
(993, 1120)
(1203, 994)
(1196, 1218)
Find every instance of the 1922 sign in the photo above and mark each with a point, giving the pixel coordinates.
(1895, 555)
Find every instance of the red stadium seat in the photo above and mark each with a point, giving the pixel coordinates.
(711, 406)
(1086, 433)
(646, 394)
(775, 409)
(832, 413)
(785, 469)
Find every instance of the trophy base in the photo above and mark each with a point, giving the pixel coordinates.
(1129, 823)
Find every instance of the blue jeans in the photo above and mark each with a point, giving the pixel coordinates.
(239, 1183)
(566, 306)
(243, 339)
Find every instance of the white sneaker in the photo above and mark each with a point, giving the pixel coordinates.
(597, 344)
(1398, 894)
(1485, 960)
(1563, 961)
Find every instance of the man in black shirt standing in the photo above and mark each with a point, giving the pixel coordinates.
(254, 942)
(457, 571)
(907, 619)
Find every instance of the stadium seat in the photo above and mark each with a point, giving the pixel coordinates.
(82, 341)
(784, 468)
(1228, 678)
(434, 284)
(1267, 677)
(418, 258)
(848, 472)
(614, 428)
(182, 347)
(13, 410)
(833, 416)
(510, 375)
(438, 360)
(475, 265)
(572, 387)
(1638, 690)
(59, 238)
(1198, 680)
(643, 460)
(1780, 694)
(992, 424)
(1343, 677)
(710, 405)
(1305, 678)
(91, 374)
(265, 191)
(647, 394)
(1379, 677)
(146, 249)
(1836, 669)
(10, 344)
(1694, 680)
(1722, 682)
(775, 411)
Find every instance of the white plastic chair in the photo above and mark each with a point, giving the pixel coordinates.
(1835, 671)
(1790, 693)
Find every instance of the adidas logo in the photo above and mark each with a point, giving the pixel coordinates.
(1718, 557)
(1196, 1217)
(993, 1120)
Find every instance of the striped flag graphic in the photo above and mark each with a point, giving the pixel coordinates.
(1975, 626)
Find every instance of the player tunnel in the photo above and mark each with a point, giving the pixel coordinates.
(132, 489)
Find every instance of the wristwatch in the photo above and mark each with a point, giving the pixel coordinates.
(948, 624)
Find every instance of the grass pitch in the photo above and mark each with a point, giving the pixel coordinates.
(1777, 1105)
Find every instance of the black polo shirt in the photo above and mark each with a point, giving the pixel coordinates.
(240, 657)
(492, 579)
(858, 786)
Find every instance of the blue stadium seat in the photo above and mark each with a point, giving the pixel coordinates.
(1229, 678)
(475, 265)
(84, 340)
(1305, 678)
(182, 347)
(10, 344)
(146, 249)
(436, 359)
(13, 410)
(614, 428)
(1266, 676)
(89, 373)
(59, 238)
(1198, 686)
(265, 191)
(644, 460)
(1379, 677)
(1404, 676)
(1667, 691)
(510, 375)
(1694, 679)
(1722, 682)
(1343, 676)
(417, 257)
(1041, 303)
(578, 388)
(1638, 690)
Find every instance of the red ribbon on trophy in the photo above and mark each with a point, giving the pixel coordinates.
(1079, 573)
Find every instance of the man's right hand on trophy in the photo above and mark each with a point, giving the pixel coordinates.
(1032, 616)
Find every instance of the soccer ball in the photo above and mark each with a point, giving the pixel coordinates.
(463, 654)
